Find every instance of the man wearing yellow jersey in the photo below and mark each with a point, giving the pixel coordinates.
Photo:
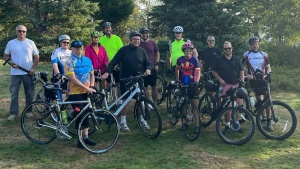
(175, 51)
(112, 43)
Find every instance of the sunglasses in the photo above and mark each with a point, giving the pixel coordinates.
(21, 31)
(76, 44)
(145, 33)
(210, 41)
(66, 42)
(227, 48)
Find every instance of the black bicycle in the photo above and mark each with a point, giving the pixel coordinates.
(180, 106)
(215, 106)
(162, 84)
(283, 117)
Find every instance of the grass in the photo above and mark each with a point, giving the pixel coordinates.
(134, 151)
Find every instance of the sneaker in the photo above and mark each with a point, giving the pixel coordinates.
(11, 117)
(263, 122)
(197, 130)
(29, 115)
(124, 127)
(269, 125)
(145, 125)
(226, 130)
(89, 142)
(240, 130)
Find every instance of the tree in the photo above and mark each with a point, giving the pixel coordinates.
(47, 19)
(200, 19)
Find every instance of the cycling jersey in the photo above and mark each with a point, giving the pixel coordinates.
(59, 56)
(82, 68)
(258, 60)
(111, 45)
(189, 68)
(99, 59)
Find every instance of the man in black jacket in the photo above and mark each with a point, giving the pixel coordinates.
(133, 61)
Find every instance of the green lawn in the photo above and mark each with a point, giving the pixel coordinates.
(170, 150)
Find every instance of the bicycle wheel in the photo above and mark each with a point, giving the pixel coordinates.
(148, 118)
(206, 107)
(190, 120)
(40, 127)
(283, 120)
(173, 112)
(105, 131)
(236, 133)
(160, 89)
(39, 90)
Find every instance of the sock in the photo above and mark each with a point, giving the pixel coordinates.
(142, 118)
(85, 137)
(237, 122)
(228, 124)
(123, 119)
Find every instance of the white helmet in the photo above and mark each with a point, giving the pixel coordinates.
(63, 37)
(178, 29)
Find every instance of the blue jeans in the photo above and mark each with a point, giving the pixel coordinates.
(28, 85)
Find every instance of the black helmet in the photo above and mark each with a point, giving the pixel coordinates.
(241, 93)
(134, 33)
(143, 29)
(253, 39)
(106, 24)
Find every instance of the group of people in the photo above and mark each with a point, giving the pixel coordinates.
(142, 55)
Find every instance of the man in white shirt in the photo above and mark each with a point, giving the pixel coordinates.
(23, 54)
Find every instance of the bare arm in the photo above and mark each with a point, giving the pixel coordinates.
(177, 73)
(55, 68)
(73, 79)
(157, 60)
(195, 53)
(34, 65)
(222, 82)
(168, 59)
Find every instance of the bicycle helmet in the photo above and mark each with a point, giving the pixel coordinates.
(143, 29)
(177, 29)
(134, 33)
(106, 24)
(241, 93)
(95, 34)
(63, 37)
(187, 45)
(253, 39)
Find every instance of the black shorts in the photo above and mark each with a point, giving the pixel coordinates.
(116, 75)
(151, 79)
(193, 92)
(79, 97)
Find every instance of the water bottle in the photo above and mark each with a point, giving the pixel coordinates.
(64, 116)
(220, 91)
(177, 95)
(252, 102)
(181, 101)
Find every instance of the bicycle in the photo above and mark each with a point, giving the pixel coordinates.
(213, 109)
(180, 106)
(283, 117)
(39, 85)
(42, 129)
(162, 84)
(143, 108)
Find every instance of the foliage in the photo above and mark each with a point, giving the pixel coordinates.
(47, 19)
(200, 19)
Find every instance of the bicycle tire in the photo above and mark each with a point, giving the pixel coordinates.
(105, 136)
(147, 109)
(284, 123)
(39, 90)
(40, 128)
(189, 120)
(235, 135)
(206, 108)
(173, 112)
(160, 86)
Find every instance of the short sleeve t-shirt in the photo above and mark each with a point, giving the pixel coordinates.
(151, 49)
(188, 68)
(59, 56)
(21, 53)
(82, 68)
(111, 45)
(209, 55)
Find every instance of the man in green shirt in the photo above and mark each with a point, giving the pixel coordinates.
(112, 43)
(175, 51)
